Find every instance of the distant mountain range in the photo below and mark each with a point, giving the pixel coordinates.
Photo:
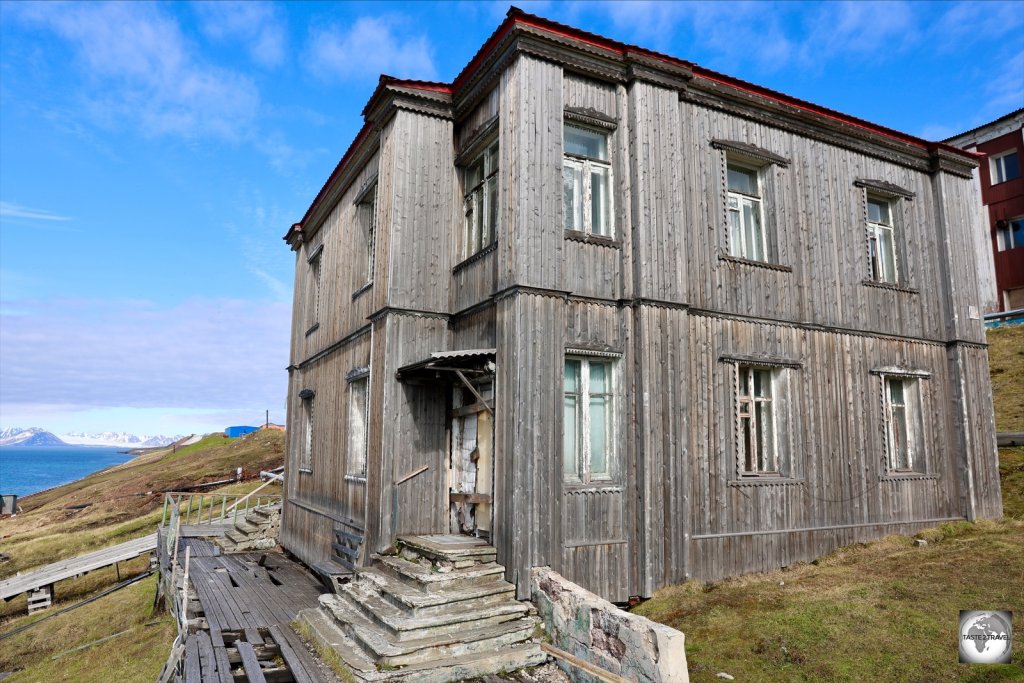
(35, 436)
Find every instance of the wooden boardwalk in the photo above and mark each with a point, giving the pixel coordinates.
(248, 601)
(75, 566)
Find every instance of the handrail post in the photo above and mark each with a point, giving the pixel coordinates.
(223, 505)
(163, 519)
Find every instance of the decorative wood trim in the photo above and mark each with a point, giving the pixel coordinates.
(312, 328)
(590, 544)
(357, 373)
(359, 292)
(316, 254)
(595, 352)
(478, 256)
(890, 286)
(411, 312)
(369, 186)
(574, 489)
(766, 481)
(749, 151)
(479, 139)
(341, 343)
(884, 187)
(761, 361)
(356, 479)
(591, 117)
(895, 371)
(908, 476)
(598, 240)
(757, 264)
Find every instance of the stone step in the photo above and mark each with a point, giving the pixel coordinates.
(426, 578)
(401, 626)
(247, 527)
(474, 665)
(264, 512)
(449, 548)
(237, 536)
(422, 603)
(376, 644)
(330, 634)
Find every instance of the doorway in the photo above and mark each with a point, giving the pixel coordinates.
(471, 458)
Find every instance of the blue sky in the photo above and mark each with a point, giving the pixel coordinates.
(152, 156)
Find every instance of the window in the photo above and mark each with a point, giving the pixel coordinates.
(481, 183)
(746, 221)
(902, 414)
(306, 448)
(313, 292)
(357, 422)
(1010, 234)
(755, 409)
(366, 215)
(881, 241)
(1003, 167)
(587, 444)
(587, 181)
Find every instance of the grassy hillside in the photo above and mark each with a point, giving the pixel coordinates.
(1006, 366)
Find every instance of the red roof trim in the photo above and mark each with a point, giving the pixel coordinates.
(518, 17)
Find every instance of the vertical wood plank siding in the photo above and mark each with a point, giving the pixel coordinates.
(673, 313)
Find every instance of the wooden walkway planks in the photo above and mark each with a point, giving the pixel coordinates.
(66, 569)
(248, 600)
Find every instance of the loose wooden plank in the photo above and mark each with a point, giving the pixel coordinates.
(253, 672)
(193, 669)
(302, 666)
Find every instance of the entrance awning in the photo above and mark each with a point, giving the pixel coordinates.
(468, 361)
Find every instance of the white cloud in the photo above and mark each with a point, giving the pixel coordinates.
(208, 354)
(258, 25)
(369, 47)
(12, 210)
(140, 68)
(971, 22)
(873, 31)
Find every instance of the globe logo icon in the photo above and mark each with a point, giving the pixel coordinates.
(985, 637)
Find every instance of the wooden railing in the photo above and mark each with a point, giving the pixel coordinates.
(207, 508)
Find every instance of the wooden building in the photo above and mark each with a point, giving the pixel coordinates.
(634, 320)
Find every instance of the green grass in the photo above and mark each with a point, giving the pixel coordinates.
(884, 611)
(137, 655)
(1006, 367)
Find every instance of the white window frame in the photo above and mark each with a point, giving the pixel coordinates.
(582, 457)
(358, 424)
(306, 448)
(908, 416)
(877, 255)
(997, 166)
(366, 209)
(1005, 235)
(736, 200)
(586, 165)
(313, 297)
(762, 463)
(481, 200)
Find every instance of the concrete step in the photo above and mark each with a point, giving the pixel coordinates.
(449, 548)
(401, 626)
(422, 603)
(426, 578)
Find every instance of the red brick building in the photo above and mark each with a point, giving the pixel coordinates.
(1002, 191)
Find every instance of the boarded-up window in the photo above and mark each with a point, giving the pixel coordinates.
(755, 401)
(357, 423)
(587, 437)
(366, 213)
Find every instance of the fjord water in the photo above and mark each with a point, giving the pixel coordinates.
(30, 469)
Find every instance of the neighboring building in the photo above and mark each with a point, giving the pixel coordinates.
(1002, 190)
(634, 320)
(235, 432)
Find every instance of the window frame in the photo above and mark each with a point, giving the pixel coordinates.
(750, 467)
(586, 165)
(307, 398)
(582, 456)
(314, 295)
(738, 248)
(915, 422)
(1005, 240)
(997, 167)
(366, 219)
(484, 194)
(356, 462)
(874, 230)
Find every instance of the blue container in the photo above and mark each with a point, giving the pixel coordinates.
(235, 432)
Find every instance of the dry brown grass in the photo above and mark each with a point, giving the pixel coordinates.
(1006, 367)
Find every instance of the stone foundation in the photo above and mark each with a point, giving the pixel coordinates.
(598, 632)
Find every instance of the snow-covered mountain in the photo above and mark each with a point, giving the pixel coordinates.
(33, 436)
(117, 439)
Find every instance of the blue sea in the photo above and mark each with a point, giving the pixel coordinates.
(30, 469)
